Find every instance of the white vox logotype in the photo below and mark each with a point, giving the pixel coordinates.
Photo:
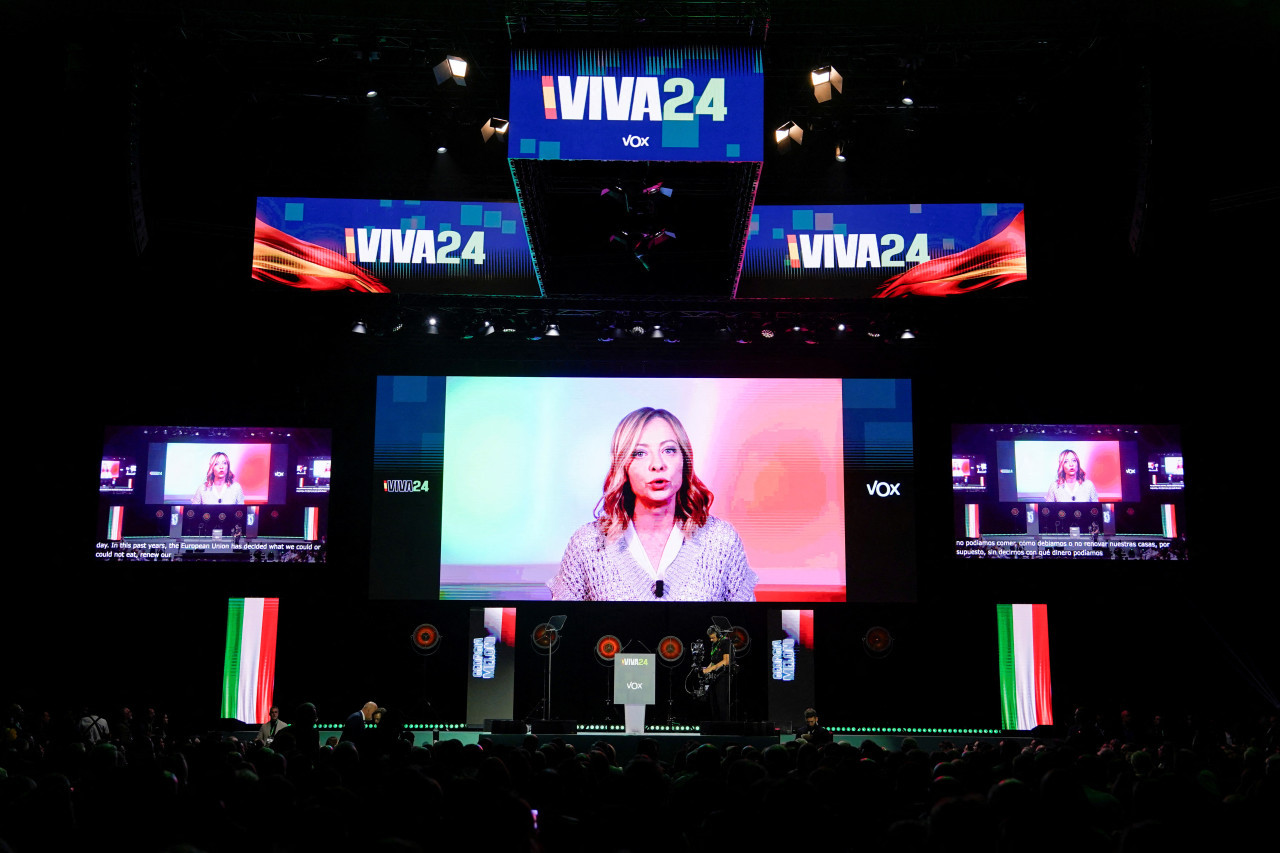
(883, 490)
(634, 141)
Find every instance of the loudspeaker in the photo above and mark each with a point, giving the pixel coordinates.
(504, 727)
(555, 727)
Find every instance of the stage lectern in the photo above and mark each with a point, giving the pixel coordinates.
(634, 677)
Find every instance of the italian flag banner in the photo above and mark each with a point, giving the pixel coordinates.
(249, 668)
(1026, 691)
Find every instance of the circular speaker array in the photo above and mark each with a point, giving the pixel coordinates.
(671, 649)
(878, 641)
(607, 647)
(425, 639)
(545, 638)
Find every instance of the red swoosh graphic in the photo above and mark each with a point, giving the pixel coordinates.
(281, 258)
(992, 263)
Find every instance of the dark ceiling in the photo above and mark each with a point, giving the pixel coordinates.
(1112, 122)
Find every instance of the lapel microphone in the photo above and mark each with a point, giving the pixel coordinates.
(657, 589)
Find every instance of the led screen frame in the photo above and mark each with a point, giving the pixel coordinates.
(1124, 501)
(168, 511)
(797, 466)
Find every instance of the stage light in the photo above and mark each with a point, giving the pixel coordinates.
(787, 135)
(877, 642)
(553, 330)
(907, 335)
(360, 328)
(840, 158)
(907, 99)
(494, 127)
(453, 68)
(372, 93)
(432, 326)
(442, 150)
(826, 82)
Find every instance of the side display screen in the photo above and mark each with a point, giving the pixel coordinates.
(1084, 491)
(393, 245)
(883, 250)
(220, 493)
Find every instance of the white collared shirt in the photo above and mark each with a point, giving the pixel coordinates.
(632, 540)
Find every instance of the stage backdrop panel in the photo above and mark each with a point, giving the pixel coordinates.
(791, 667)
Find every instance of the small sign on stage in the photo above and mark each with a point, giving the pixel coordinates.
(634, 677)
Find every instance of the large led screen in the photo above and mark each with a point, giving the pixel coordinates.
(213, 493)
(393, 245)
(1076, 491)
(882, 250)
(703, 104)
(492, 488)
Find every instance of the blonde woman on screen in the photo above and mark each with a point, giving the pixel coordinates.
(1071, 485)
(219, 486)
(653, 538)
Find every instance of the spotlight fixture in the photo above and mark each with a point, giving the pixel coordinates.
(494, 127)
(840, 156)
(360, 328)
(907, 335)
(787, 135)
(826, 82)
(453, 68)
(442, 149)
(432, 325)
(478, 329)
(371, 93)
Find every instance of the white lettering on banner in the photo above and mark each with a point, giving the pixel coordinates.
(847, 251)
(410, 246)
(634, 141)
(637, 99)
(883, 490)
(784, 660)
(484, 657)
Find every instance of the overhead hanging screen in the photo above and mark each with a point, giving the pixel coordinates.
(678, 103)
(393, 245)
(883, 250)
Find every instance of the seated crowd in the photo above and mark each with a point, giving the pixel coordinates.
(85, 782)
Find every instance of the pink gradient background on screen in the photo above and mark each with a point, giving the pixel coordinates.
(187, 465)
(1037, 466)
(771, 450)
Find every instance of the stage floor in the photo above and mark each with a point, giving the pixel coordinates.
(670, 743)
